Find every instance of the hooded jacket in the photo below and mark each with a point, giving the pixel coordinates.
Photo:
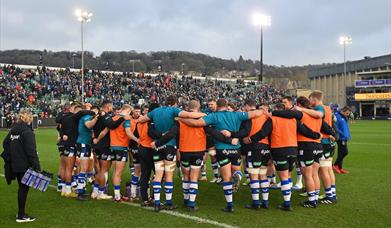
(22, 148)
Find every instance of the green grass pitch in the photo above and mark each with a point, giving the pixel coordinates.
(364, 195)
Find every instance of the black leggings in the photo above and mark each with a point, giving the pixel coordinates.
(22, 194)
(147, 165)
(342, 152)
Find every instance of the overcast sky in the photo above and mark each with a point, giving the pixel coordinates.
(302, 31)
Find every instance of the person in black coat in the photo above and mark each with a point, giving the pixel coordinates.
(20, 148)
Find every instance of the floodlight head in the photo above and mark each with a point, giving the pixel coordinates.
(345, 40)
(83, 16)
(261, 20)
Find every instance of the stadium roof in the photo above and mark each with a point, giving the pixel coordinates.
(353, 66)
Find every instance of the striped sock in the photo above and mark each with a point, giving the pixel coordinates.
(185, 188)
(329, 192)
(312, 196)
(101, 190)
(60, 183)
(286, 192)
(95, 188)
(74, 180)
(168, 189)
(133, 186)
(156, 191)
(239, 173)
(215, 167)
(193, 190)
(228, 190)
(254, 185)
(81, 183)
(117, 192)
(334, 190)
(265, 192)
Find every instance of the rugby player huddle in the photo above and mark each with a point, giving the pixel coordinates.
(158, 139)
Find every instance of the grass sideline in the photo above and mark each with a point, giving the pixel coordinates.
(363, 195)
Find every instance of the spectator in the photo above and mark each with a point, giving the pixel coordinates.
(344, 136)
(21, 152)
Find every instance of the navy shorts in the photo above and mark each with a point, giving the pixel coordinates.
(166, 153)
(104, 154)
(284, 158)
(69, 151)
(119, 155)
(193, 159)
(225, 157)
(258, 157)
(83, 150)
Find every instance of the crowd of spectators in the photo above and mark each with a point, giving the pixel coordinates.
(43, 90)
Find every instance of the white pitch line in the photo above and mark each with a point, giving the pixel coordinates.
(173, 213)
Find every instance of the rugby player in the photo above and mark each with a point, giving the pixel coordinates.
(165, 156)
(326, 171)
(60, 146)
(102, 148)
(119, 142)
(192, 147)
(212, 107)
(284, 149)
(310, 152)
(228, 155)
(84, 139)
(134, 160)
(257, 153)
(69, 121)
(289, 105)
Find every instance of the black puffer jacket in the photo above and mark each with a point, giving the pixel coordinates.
(22, 148)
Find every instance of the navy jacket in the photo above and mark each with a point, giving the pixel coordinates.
(343, 127)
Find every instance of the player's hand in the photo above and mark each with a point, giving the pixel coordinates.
(65, 137)
(332, 139)
(226, 133)
(267, 113)
(153, 145)
(95, 141)
(235, 141)
(246, 140)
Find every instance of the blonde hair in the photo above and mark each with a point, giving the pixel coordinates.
(25, 116)
(194, 105)
(126, 107)
(317, 94)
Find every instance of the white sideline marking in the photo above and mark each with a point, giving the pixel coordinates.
(173, 213)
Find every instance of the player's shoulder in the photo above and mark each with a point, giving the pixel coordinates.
(319, 108)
